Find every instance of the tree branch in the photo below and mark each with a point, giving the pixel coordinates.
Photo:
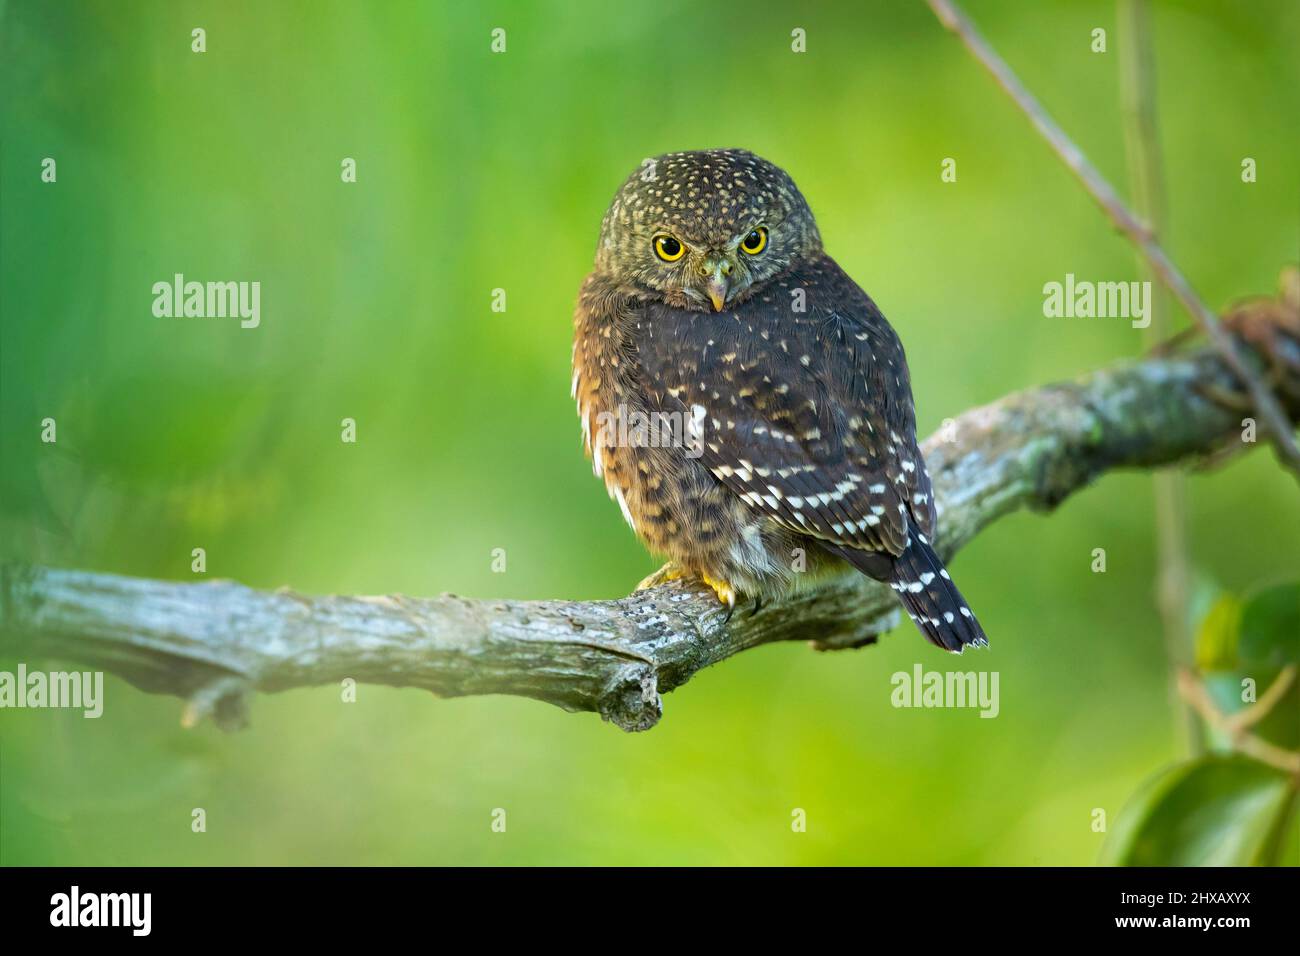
(1270, 410)
(214, 642)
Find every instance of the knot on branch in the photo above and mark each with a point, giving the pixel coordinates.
(631, 701)
(224, 700)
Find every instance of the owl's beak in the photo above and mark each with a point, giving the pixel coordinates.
(717, 290)
(716, 285)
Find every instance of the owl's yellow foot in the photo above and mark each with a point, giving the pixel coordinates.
(669, 572)
(674, 572)
(725, 592)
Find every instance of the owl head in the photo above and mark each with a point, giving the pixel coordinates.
(705, 229)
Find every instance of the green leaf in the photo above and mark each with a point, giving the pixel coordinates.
(1216, 639)
(1215, 811)
(1270, 627)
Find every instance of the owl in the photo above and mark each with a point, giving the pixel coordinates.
(745, 403)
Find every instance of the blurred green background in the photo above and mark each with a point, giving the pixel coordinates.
(478, 171)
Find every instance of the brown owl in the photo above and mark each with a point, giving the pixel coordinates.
(745, 402)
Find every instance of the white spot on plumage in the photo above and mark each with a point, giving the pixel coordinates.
(622, 503)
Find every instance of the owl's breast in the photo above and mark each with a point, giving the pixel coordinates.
(645, 445)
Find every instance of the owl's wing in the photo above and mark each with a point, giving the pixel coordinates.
(808, 417)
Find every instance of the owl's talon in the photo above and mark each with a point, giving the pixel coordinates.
(725, 592)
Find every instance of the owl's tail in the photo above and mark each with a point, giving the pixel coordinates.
(932, 601)
(926, 591)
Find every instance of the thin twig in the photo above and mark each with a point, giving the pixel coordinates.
(1190, 686)
(1252, 715)
(1274, 420)
(1141, 140)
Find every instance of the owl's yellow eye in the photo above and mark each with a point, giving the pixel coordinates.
(669, 249)
(755, 242)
